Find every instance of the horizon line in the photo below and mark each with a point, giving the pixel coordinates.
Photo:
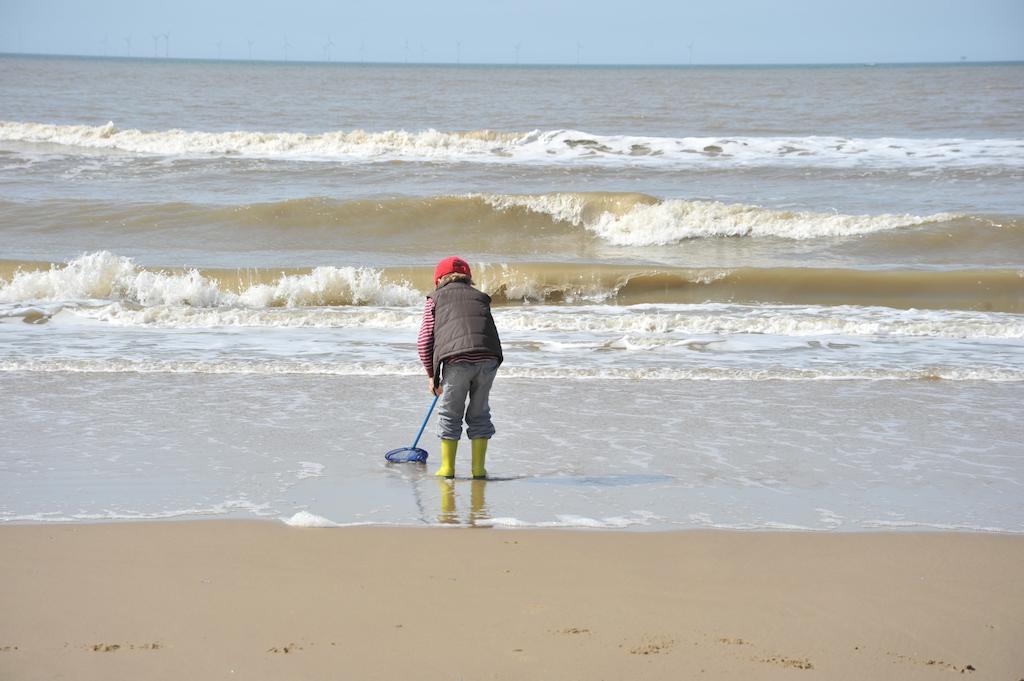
(345, 62)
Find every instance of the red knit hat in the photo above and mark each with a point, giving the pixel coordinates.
(450, 265)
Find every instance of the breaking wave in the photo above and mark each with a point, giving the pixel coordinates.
(640, 220)
(509, 222)
(105, 277)
(537, 146)
(648, 320)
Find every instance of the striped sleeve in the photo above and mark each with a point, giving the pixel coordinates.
(425, 341)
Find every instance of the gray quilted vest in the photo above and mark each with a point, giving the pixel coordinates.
(462, 323)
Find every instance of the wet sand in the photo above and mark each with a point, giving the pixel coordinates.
(259, 600)
(775, 455)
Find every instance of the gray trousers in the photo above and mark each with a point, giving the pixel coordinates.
(461, 380)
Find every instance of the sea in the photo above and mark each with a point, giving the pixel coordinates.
(750, 298)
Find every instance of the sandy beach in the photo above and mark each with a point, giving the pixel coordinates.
(259, 600)
(762, 327)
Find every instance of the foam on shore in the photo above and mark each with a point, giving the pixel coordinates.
(537, 146)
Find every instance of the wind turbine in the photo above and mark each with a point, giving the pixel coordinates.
(689, 46)
(423, 52)
(251, 43)
(458, 51)
(156, 45)
(128, 46)
(518, 46)
(104, 43)
(327, 47)
(286, 46)
(406, 50)
(362, 51)
(220, 43)
(579, 48)
(167, 45)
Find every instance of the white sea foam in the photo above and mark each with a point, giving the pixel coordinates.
(829, 522)
(704, 520)
(780, 320)
(945, 527)
(339, 145)
(309, 469)
(829, 519)
(568, 373)
(547, 147)
(171, 316)
(331, 286)
(674, 220)
(257, 367)
(663, 323)
(307, 519)
(238, 506)
(811, 150)
(105, 276)
(32, 314)
(566, 521)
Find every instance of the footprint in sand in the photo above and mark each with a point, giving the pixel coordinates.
(652, 645)
(963, 669)
(792, 662)
(8, 649)
(781, 660)
(285, 649)
(573, 630)
(114, 647)
(735, 642)
(105, 647)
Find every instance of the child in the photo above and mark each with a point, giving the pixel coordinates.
(458, 334)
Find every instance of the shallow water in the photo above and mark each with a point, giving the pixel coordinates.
(806, 282)
(816, 455)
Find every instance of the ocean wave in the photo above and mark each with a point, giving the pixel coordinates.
(339, 144)
(511, 223)
(639, 220)
(537, 146)
(105, 276)
(158, 296)
(777, 320)
(183, 317)
(648, 320)
(414, 369)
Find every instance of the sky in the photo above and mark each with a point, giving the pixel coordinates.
(527, 31)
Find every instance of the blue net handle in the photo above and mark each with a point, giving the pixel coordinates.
(429, 412)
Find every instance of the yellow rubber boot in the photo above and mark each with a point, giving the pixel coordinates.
(448, 449)
(479, 457)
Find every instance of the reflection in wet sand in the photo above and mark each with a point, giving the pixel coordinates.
(449, 514)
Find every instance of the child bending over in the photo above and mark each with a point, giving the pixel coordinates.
(460, 349)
